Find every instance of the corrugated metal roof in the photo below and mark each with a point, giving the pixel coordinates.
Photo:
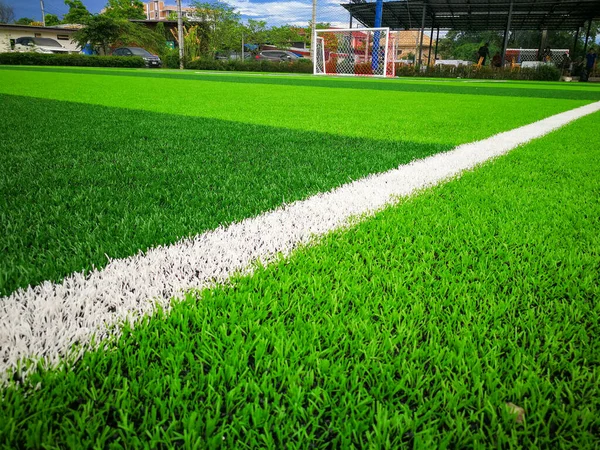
(479, 15)
(68, 27)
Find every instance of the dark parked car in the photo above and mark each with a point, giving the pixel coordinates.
(277, 55)
(150, 59)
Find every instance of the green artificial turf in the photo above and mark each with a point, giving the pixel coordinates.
(573, 91)
(106, 181)
(301, 103)
(167, 158)
(412, 329)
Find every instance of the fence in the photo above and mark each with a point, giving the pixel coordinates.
(288, 25)
(529, 54)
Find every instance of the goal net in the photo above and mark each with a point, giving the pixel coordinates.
(354, 52)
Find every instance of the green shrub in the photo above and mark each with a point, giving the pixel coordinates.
(253, 65)
(547, 73)
(41, 59)
(542, 73)
(170, 58)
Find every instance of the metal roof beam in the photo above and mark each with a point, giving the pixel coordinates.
(480, 15)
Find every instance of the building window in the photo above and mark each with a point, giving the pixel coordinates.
(37, 35)
(62, 37)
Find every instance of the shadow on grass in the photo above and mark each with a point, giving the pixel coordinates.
(389, 85)
(96, 181)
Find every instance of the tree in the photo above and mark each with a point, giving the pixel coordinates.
(555, 39)
(51, 20)
(138, 35)
(103, 32)
(255, 31)
(222, 24)
(329, 39)
(100, 32)
(7, 13)
(125, 9)
(24, 21)
(284, 35)
(78, 13)
(161, 30)
(464, 44)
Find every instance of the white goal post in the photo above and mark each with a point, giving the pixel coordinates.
(354, 52)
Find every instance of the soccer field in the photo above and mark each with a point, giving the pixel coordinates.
(414, 327)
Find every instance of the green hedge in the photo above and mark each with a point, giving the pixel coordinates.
(300, 66)
(170, 58)
(41, 59)
(542, 73)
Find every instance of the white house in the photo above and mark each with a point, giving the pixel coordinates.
(61, 33)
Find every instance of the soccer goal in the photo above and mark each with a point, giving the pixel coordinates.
(354, 52)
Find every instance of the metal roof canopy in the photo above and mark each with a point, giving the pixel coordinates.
(479, 15)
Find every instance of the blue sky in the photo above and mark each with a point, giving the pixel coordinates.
(275, 12)
(31, 8)
(293, 12)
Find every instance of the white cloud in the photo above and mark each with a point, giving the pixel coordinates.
(293, 12)
(274, 12)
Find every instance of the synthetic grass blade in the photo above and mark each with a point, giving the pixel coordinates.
(50, 319)
(464, 317)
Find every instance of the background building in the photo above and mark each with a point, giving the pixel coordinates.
(158, 10)
(63, 34)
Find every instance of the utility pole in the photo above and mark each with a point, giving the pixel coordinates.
(43, 13)
(180, 33)
(313, 32)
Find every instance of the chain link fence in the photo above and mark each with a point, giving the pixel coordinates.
(521, 55)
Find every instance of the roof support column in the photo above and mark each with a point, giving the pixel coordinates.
(376, 51)
(430, 42)
(506, 33)
(437, 39)
(543, 41)
(422, 33)
(378, 13)
(587, 36)
(575, 44)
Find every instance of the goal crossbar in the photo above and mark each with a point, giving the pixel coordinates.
(331, 30)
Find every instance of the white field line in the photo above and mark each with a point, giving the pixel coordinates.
(46, 321)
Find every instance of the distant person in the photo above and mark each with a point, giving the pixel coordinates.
(590, 63)
(565, 64)
(590, 60)
(497, 60)
(547, 55)
(483, 52)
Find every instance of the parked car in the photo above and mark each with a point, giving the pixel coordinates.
(225, 56)
(277, 55)
(38, 45)
(150, 59)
